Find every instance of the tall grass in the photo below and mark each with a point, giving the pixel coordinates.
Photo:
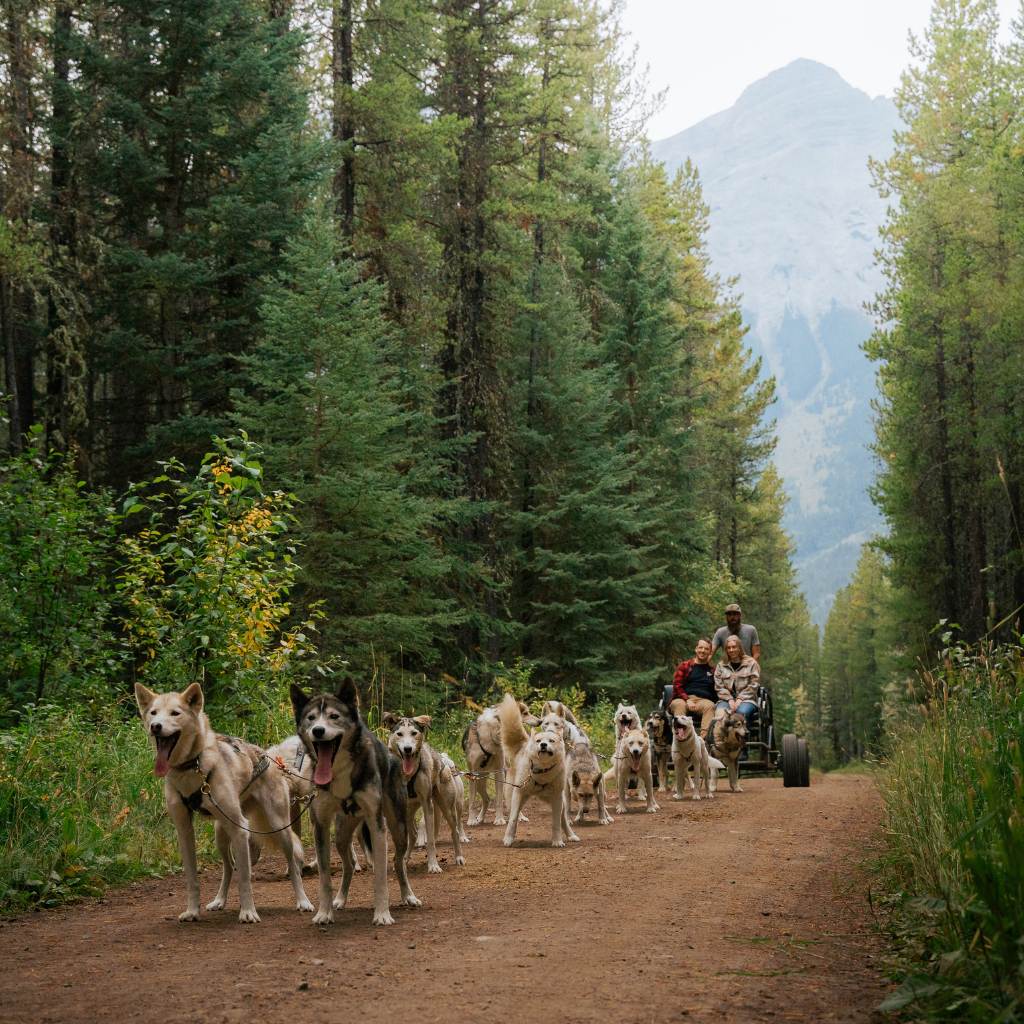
(954, 797)
(80, 807)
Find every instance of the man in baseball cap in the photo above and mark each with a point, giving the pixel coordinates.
(746, 633)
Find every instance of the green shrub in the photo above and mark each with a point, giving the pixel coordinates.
(955, 827)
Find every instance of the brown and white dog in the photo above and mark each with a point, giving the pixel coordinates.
(225, 779)
(586, 783)
(727, 737)
(626, 717)
(537, 769)
(429, 781)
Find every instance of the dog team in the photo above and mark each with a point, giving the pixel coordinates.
(366, 789)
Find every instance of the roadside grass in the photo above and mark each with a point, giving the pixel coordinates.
(954, 802)
(854, 768)
(80, 808)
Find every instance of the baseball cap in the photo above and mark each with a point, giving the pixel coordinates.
(733, 608)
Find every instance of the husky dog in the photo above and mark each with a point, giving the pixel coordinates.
(586, 782)
(689, 749)
(460, 799)
(556, 717)
(727, 737)
(482, 743)
(633, 761)
(428, 781)
(358, 783)
(537, 766)
(660, 730)
(626, 717)
(298, 776)
(224, 778)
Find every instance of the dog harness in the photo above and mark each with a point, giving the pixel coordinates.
(543, 771)
(488, 754)
(194, 801)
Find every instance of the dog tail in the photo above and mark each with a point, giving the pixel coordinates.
(714, 762)
(609, 776)
(465, 737)
(513, 736)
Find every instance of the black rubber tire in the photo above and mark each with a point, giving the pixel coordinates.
(805, 762)
(789, 756)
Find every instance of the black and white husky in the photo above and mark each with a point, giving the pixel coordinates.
(360, 782)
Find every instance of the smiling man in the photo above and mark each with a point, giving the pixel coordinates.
(746, 633)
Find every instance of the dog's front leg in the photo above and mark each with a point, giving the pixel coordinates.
(648, 778)
(695, 780)
(566, 827)
(240, 844)
(379, 842)
(403, 839)
(182, 818)
(734, 775)
(621, 785)
(222, 838)
(513, 818)
(663, 772)
(680, 780)
(322, 842)
(603, 817)
(345, 827)
(713, 782)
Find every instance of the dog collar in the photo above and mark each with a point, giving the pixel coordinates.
(540, 771)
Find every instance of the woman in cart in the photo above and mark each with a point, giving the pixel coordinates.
(737, 677)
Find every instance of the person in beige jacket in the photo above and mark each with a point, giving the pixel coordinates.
(737, 677)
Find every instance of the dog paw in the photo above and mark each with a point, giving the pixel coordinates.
(606, 821)
(507, 841)
(304, 905)
(324, 916)
(434, 869)
(461, 861)
(558, 843)
(248, 917)
(620, 809)
(696, 796)
(216, 904)
(523, 817)
(383, 917)
(653, 809)
(737, 789)
(573, 838)
(677, 796)
(499, 821)
(412, 901)
(189, 915)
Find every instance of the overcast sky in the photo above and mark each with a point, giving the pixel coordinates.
(709, 51)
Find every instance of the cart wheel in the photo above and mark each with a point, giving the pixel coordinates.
(805, 762)
(790, 759)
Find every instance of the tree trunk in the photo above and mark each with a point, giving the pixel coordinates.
(342, 127)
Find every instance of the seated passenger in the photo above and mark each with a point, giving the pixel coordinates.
(694, 683)
(736, 680)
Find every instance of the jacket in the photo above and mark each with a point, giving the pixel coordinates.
(737, 684)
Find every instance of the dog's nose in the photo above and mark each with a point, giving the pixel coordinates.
(157, 727)
(408, 750)
(318, 732)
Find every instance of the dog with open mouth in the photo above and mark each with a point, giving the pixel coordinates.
(626, 717)
(223, 778)
(358, 782)
(690, 751)
(537, 769)
(633, 761)
(429, 782)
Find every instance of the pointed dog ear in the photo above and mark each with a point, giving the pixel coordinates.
(529, 719)
(348, 694)
(425, 720)
(390, 719)
(193, 697)
(299, 700)
(575, 778)
(143, 697)
(523, 709)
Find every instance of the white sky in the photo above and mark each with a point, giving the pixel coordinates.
(709, 51)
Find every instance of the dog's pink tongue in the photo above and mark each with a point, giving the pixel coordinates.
(636, 764)
(681, 733)
(163, 750)
(324, 773)
(408, 766)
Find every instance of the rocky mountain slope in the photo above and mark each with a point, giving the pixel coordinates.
(794, 214)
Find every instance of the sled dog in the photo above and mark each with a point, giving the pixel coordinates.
(537, 768)
(556, 717)
(633, 761)
(659, 728)
(482, 743)
(688, 749)
(586, 783)
(626, 717)
(224, 778)
(357, 783)
(429, 783)
(726, 738)
(460, 800)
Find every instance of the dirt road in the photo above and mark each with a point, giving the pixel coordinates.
(732, 909)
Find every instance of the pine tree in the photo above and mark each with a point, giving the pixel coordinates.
(340, 433)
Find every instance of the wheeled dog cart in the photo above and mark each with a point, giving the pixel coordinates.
(792, 758)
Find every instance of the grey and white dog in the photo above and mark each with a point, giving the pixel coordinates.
(689, 751)
(358, 782)
(726, 738)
